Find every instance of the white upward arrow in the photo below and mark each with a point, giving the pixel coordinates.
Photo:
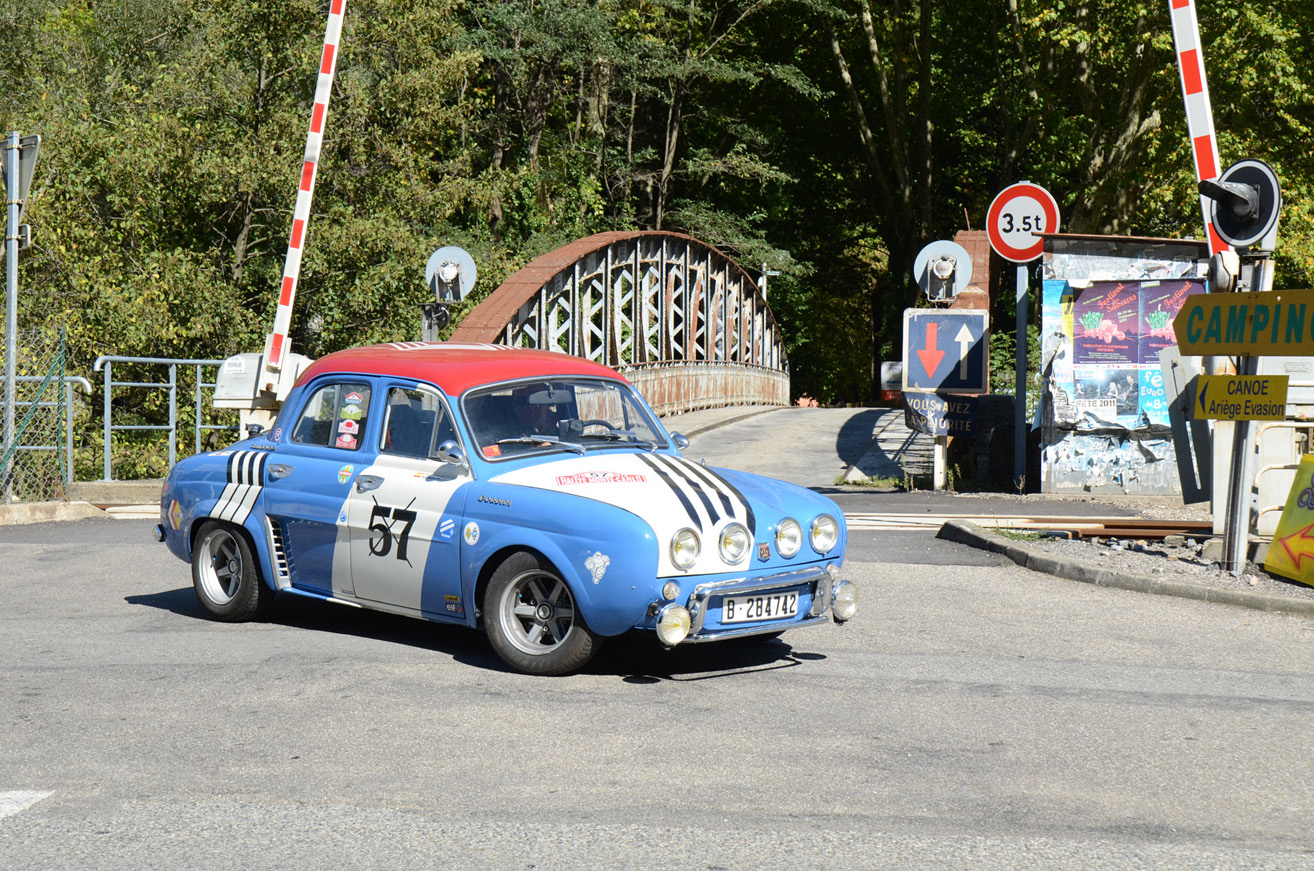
(964, 340)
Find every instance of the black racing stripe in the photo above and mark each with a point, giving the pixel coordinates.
(248, 468)
(697, 486)
(230, 474)
(675, 488)
(692, 468)
(748, 508)
(258, 469)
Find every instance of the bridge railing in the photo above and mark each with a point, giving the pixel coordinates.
(679, 387)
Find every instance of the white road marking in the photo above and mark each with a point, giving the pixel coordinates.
(17, 801)
(133, 512)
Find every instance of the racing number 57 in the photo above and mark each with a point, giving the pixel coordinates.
(381, 520)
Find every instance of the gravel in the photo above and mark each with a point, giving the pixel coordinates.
(1179, 558)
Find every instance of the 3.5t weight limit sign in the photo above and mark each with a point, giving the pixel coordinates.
(1018, 216)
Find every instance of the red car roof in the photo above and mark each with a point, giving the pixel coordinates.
(452, 366)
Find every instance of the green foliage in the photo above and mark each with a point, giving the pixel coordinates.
(1003, 363)
(827, 139)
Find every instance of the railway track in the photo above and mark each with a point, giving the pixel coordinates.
(1074, 527)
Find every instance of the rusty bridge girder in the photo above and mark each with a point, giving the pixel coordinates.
(683, 322)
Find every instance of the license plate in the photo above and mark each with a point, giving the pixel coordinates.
(768, 606)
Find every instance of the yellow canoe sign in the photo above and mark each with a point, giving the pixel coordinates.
(1292, 552)
(1272, 323)
(1241, 397)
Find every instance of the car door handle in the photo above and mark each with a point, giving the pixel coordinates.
(366, 483)
(279, 470)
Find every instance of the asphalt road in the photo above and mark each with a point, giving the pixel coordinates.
(973, 715)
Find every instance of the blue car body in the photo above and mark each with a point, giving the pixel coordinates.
(339, 500)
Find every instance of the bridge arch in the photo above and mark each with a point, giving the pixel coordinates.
(686, 324)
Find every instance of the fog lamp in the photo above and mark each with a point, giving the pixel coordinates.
(673, 624)
(845, 603)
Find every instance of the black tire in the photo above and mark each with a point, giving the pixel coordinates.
(532, 620)
(226, 575)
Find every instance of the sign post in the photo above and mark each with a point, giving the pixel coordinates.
(1019, 216)
(1246, 201)
(20, 159)
(945, 351)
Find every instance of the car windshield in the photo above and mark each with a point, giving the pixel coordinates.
(558, 414)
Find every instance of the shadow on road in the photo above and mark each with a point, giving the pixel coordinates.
(856, 434)
(635, 657)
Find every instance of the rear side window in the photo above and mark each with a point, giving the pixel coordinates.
(334, 417)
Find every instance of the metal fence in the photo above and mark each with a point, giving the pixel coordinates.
(135, 394)
(38, 465)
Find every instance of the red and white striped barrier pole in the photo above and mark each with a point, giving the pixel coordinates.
(276, 346)
(1199, 112)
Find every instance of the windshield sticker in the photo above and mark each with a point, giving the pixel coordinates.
(600, 478)
(352, 397)
(349, 426)
(492, 451)
(346, 441)
(350, 412)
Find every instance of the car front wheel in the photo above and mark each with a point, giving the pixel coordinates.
(226, 576)
(532, 620)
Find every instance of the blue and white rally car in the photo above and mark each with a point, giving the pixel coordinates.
(529, 492)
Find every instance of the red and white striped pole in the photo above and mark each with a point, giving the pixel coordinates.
(1199, 112)
(276, 346)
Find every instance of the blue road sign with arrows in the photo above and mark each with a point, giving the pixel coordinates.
(946, 350)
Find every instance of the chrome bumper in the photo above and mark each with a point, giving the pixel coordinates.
(697, 603)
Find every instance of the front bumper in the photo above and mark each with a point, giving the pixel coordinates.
(821, 582)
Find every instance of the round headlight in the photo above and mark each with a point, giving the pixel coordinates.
(824, 533)
(684, 548)
(789, 537)
(673, 625)
(845, 604)
(734, 543)
(670, 591)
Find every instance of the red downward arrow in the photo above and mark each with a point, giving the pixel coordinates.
(930, 357)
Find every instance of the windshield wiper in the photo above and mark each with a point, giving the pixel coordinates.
(542, 441)
(625, 435)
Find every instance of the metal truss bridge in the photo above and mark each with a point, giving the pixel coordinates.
(683, 322)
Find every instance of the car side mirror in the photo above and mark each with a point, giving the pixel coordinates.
(451, 454)
(681, 440)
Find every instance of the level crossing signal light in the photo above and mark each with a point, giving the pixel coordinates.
(1246, 200)
(450, 274)
(942, 270)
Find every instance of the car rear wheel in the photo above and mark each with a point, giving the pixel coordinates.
(226, 576)
(532, 620)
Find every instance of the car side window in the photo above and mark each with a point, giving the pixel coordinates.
(413, 417)
(335, 417)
